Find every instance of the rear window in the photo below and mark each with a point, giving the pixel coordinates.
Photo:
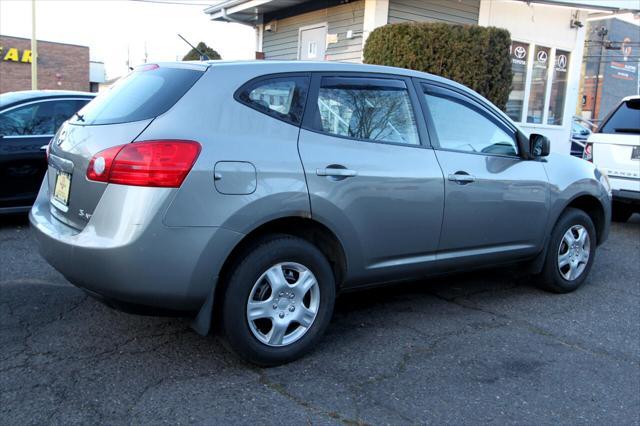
(625, 119)
(142, 94)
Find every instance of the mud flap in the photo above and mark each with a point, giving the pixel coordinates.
(536, 265)
(202, 322)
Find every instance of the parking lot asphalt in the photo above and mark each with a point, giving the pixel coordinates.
(478, 348)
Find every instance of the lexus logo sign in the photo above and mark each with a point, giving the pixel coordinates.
(542, 56)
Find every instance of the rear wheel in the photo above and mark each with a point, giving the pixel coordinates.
(278, 301)
(621, 212)
(570, 253)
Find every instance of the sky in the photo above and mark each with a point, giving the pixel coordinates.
(111, 27)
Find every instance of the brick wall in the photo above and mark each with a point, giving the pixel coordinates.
(60, 66)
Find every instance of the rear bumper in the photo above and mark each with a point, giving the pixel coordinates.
(625, 196)
(125, 253)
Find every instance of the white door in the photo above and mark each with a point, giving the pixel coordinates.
(313, 43)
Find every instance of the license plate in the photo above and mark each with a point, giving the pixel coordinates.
(63, 185)
(635, 154)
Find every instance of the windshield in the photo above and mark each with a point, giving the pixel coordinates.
(625, 119)
(140, 95)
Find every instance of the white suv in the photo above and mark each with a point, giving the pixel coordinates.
(615, 150)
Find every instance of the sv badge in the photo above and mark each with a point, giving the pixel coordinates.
(84, 214)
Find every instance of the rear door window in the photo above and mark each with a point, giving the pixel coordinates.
(143, 94)
(625, 119)
(369, 109)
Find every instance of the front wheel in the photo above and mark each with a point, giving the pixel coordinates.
(570, 253)
(278, 301)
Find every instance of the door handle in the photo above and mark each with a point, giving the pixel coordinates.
(461, 178)
(336, 172)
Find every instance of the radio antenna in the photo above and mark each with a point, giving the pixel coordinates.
(203, 56)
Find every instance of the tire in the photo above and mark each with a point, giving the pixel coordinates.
(621, 212)
(259, 341)
(567, 278)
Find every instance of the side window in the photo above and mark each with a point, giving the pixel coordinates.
(33, 119)
(367, 109)
(281, 97)
(63, 110)
(460, 126)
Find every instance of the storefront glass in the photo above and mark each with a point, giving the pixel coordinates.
(538, 84)
(519, 56)
(558, 87)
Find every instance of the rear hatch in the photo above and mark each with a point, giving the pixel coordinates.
(615, 147)
(116, 117)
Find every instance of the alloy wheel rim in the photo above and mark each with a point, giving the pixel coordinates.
(283, 304)
(574, 252)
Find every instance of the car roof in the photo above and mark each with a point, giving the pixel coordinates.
(12, 98)
(327, 66)
(279, 66)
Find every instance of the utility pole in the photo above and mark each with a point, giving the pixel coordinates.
(34, 48)
(602, 33)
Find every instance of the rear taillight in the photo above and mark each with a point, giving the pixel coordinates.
(158, 163)
(587, 154)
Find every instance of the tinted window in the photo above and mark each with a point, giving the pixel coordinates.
(281, 97)
(626, 119)
(462, 127)
(367, 109)
(142, 94)
(63, 110)
(32, 119)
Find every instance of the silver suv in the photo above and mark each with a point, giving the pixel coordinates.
(250, 194)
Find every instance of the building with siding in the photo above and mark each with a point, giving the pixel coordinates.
(548, 41)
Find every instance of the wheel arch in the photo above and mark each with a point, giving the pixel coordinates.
(593, 207)
(589, 204)
(306, 228)
(309, 229)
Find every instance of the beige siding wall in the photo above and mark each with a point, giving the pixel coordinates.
(283, 43)
(450, 11)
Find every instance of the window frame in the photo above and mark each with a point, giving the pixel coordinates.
(477, 105)
(312, 111)
(37, 101)
(252, 83)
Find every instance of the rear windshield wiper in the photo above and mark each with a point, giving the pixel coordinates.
(626, 130)
(81, 117)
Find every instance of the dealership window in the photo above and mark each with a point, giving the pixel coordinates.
(558, 87)
(515, 104)
(539, 85)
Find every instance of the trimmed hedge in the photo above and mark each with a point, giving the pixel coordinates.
(475, 56)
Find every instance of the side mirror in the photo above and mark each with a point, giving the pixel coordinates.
(539, 145)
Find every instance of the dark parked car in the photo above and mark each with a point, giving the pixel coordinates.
(28, 121)
(580, 132)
